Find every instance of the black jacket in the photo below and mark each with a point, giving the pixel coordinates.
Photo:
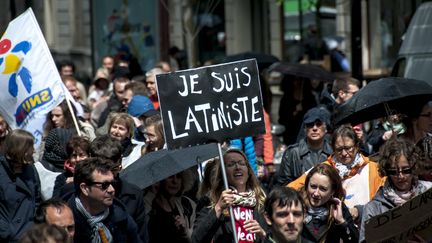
(19, 197)
(346, 232)
(207, 227)
(120, 224)
(297, 159)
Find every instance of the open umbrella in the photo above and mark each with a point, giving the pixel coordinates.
(264, 60)
(310, 71)
(158, 165)
(384, 97)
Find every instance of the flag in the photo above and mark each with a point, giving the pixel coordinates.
(30, 85)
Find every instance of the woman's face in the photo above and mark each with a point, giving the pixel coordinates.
(237, 170)
(400, 173)
(77, 156)
(319, 190)
(57, 117)
(345, 150)
(172, 184)
(119, 131)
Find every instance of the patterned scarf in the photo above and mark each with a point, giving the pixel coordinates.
(100, 233)
(344, 170)
(400, 128)
(244, 199)
(398, 197)
(319, 213)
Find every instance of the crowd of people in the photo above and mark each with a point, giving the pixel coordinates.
(330, 181)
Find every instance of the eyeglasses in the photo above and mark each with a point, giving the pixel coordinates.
(396, 172)
(428, 115)
(231, 164)
(348, 149)
(103, 185)
(311, 125)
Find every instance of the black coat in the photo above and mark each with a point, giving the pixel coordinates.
(19, 197)
(208, 227)
(346, 232)
(298, 158)
(120, 224)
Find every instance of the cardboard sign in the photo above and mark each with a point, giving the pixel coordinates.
(209, 104)
(401, 223)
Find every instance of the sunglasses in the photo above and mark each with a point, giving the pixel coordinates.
(396, 172)
(348, 149)
(103, 185)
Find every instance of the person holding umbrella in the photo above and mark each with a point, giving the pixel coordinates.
(355, 169)
(245, 196)
(398, 160)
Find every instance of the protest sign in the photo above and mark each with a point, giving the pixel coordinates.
(212, 103)
(401, 223)
(30, 84)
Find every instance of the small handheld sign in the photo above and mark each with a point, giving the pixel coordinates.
(212, 103)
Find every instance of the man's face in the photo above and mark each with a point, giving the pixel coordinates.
(73, 89)
(119, 90)
(108, 64)
(61, 217)
(315, 131)
(286, 222)
(97, 195)
(128, 94)
(66, 71)
(348, 94)
(155, 142)
(151, 85)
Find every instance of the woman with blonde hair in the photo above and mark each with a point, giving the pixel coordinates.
(245, 196)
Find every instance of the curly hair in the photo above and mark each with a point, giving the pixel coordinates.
(393, 149)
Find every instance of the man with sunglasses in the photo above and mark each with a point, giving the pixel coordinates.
(310, 151)
(99, 217)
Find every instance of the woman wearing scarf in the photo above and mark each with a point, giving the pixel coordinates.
(398, 161)
(246, 198)
(355, 170)
(327, 219)
(121, 128)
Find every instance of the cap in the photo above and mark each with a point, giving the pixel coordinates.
(141, 105)
(317, 114)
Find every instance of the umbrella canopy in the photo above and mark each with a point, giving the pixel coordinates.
(310, 71)
(158, 165)
(263, 60)
(384, 97)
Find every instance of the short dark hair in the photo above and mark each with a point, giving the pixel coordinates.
(41, 211)
(106, 147)
(345, 131)
(283, 196)
(84, 170)
(343, 83)
(66, 63)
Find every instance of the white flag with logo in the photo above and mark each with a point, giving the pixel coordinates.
(30, 85)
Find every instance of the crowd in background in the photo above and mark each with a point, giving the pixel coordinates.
(69, 186)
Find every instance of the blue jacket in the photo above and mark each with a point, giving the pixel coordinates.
(122, 227)
(19, 197)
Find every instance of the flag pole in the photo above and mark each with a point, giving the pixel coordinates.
(73, 116)
(225, 180)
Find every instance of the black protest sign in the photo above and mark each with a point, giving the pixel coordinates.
(209, 104)
(401, 223)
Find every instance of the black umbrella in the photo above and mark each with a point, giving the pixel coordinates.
(310, 71)
(158, 165)
(264, 60)
(384, 97)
